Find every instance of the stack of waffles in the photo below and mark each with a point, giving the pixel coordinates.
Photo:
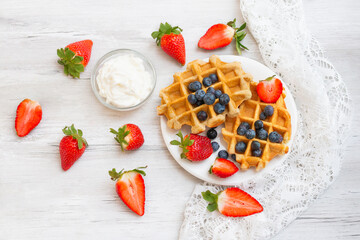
(244, 106)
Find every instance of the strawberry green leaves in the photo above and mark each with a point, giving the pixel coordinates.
(71, 62)
(76, 134)
(120, 136)
(165, 28)
(212, 199)
(239, 35)
(116, 175)
(184, 143)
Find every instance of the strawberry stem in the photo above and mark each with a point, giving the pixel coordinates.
(212, 199)
(165, 29)
(71, 62)
(76, 134)
(116, 175)
(184, 143)
(120, 136)
(239, 35)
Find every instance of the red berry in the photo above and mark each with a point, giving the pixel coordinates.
(195, 147)
(269, 90)
(219, 35)
(223, 168)
(71, 147)
(130, 187)
(28, 116)
(129, 137)
(171, 41)
(232, 202)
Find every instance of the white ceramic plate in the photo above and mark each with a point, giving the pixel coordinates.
(200, 169)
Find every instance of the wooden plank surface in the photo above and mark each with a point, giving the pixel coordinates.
(40, 201)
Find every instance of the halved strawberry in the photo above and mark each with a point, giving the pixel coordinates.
(130, 187)
(195, 147)
(270, 89)
(232, 202)
(129, 136)
(28, 116)
(221, 35)
(223, 168)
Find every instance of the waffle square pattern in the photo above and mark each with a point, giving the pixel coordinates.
(232, 80)
(250, 111)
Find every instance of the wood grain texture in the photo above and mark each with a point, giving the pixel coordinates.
(40, 201)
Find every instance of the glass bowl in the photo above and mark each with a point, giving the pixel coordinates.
(148, 67)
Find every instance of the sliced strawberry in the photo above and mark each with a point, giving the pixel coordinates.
(270, 89)
(129, 136)
(195, 147)
(71, 147)
(75, 57)
(219, 35)
(28, 116)
(223, 168)
(130, 187)
(232, 202)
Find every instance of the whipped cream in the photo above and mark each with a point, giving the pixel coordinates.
(123, 81)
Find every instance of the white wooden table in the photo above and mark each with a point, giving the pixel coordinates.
(40, 201)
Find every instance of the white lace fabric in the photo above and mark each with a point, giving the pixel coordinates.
(323, 103)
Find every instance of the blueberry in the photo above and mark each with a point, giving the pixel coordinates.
(207, 82)
(269, 110)
(209, 99)
(223, 154)
(262, 116)
(233, 157)
(202, 115)
(212, 133)
(241, 130)
(262, 134)
(210, 90)
(240, 147)
(275, 137)
(194, 86)
(250, 134)
(259, 124)
(257, 153)
(199, 103)
(255, 145)
(200, 94)
(213, 78)
(192, 99)
(245, 125)
(215, 146)
(218, 93)
(219, 108)
(224, 99)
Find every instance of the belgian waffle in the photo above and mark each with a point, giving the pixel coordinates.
(231, 80)
(250, 111)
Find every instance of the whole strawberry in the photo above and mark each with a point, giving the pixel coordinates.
(71, 147)
(223, 168)
(129, 136)
(171, 41)
(221, 35)
(232, 202)
(75, 57)
(195, 147)
(130, 187)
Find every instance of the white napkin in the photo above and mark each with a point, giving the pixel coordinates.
(324, 107)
